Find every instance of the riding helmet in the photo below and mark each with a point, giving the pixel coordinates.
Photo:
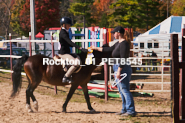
(65, 20)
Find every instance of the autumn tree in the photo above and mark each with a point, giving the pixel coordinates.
(46, 15)
(15, 21)
(166, 7)
(5, 14)
(178, 8)
(100, 12)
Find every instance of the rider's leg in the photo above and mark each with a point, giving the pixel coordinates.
(71, 60)
(71, 70)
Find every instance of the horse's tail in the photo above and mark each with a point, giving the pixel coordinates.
(16, 76)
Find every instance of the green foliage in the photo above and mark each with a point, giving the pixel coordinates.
(78, 24)
(135, 13)
(149, 13)
(79, 8)
(103, 21)
(76, 8)
(124, 13)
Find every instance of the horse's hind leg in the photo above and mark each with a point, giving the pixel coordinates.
(85, 90)
(71, 92)
(28, 107)
(29, 93)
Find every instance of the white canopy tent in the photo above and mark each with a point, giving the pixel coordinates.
(162, 31)
(159, 36)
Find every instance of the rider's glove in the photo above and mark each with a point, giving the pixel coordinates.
(84, 50)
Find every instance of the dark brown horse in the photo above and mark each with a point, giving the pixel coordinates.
(52, 74)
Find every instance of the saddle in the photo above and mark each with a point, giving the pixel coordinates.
(65, 66)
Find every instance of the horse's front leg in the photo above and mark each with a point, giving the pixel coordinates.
(71, 92)
(85, 90)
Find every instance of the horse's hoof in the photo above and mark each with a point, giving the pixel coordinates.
(30, 111)
(92, 111)
(28, 107)
(64, 110)
(35, 105)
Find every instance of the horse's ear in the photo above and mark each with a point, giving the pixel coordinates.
(106, 45)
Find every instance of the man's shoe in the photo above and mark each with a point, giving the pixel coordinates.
(119, 113)
(128, 114)
(66, 80)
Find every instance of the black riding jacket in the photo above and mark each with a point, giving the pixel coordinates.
(65, 42)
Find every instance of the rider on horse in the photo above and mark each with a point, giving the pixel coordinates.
(65, 43)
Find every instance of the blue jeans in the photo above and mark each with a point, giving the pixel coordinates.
(124, 89)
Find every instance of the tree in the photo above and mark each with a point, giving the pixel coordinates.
(166, 6)
(15, 21)
(100, 11)
(64, 6)
(151, 12)
(5, 14)
(124, 13)
(103, 22)
(80, 9)
(137, 13)
(178, 8)
(46, 15)
(102, 5)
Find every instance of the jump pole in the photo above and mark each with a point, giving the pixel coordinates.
(10, 38)
(52, 47)
(105, 66)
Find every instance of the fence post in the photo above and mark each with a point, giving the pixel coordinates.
(107, 33)
(30, 51)
(52, 47)
(175, 76)
(105, 67)
(10, 38)
(52, 44)
(182, 83)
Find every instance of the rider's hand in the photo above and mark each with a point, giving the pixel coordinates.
(84, 50)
